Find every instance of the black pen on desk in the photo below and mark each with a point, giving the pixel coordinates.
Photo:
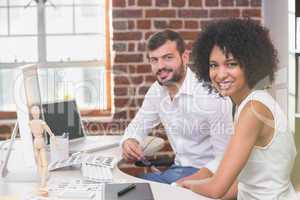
(126, 189)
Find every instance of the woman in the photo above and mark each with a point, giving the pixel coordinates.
(237, 58)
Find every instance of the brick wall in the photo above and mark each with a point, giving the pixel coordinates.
(133, 21)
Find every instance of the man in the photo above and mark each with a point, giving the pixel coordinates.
(198, 124)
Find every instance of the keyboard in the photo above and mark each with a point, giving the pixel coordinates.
(99, 160)
(96, 173)
(73, 160)
(98, 168)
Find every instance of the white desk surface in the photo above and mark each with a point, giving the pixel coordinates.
(18, 190)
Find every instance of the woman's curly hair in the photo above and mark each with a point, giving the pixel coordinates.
(247, 41)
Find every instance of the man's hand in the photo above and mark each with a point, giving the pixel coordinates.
(132, 150)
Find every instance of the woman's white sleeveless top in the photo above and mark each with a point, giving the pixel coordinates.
(266, 175)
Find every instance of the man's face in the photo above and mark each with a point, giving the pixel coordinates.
(167, 64)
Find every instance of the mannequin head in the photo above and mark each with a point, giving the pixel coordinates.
(35, 112)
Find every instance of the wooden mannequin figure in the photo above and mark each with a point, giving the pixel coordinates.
(38, 126)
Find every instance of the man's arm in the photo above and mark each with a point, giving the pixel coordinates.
(146, 119)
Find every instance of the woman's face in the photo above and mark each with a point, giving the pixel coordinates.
(227, 75)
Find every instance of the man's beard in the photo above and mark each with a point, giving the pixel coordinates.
(174, 79)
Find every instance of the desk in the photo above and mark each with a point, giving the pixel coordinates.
(17, 191)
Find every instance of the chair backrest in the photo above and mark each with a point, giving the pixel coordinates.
(152, 144)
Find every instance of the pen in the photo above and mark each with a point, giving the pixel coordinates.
(126, 189)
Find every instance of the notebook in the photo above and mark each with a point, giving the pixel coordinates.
(64, 117)
(142, 191)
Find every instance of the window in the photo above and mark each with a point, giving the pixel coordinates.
(69, 39)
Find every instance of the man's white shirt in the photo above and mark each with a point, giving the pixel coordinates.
(198, 124)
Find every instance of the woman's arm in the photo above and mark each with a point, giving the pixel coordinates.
(232, 192)
(203, 173)
(247, 131)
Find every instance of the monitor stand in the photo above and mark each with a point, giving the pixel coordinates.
(25, 174)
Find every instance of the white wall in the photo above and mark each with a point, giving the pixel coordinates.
(275, 18)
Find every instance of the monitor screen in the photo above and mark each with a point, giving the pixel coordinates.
(63, 117)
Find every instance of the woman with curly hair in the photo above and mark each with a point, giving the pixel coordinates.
(237, 58)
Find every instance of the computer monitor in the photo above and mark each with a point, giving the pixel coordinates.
(64, 117)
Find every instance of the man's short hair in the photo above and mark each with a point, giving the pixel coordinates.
(160, 38)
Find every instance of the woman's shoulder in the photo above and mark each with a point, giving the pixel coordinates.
(257, 108)
(261, 97)
(259, 104)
